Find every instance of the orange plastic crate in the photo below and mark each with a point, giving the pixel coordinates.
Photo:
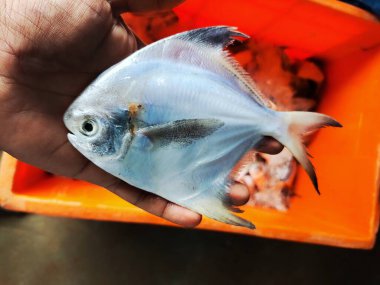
(347, 40)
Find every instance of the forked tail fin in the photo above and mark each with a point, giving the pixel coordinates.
(300, 124)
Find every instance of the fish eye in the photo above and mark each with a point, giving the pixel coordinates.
(89, 127)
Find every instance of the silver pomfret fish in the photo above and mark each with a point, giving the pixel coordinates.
(176, 116)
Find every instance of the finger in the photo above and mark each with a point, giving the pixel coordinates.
(119, 6)
(144, 200)
(156, 205)
(139, 42)
(269, 145)
(117, 45)
(239, 194)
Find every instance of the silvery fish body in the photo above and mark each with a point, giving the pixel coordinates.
(176, 116)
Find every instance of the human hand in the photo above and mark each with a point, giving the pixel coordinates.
(49, 52)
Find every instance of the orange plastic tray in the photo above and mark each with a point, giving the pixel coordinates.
(347, 40)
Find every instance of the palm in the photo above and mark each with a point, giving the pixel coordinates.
(48, 72)
(50, 52)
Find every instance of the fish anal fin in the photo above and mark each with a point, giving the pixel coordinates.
(215, 208)
(216, 204)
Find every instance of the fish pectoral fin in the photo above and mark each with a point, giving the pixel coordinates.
(182, 132)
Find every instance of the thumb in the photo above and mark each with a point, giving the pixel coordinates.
(116, 45)
(121, 41)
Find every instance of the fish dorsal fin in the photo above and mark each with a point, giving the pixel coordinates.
(205, 48)
(216, 37)
(245, 79)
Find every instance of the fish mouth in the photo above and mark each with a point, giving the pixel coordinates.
(72, 138)
(76, 143)
(69, 126)
(70, 133)
(68, 120)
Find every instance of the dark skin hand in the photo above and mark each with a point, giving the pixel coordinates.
(49, 52)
